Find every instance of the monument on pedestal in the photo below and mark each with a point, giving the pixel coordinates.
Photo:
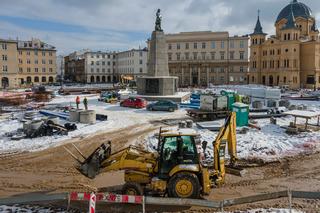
(158, 82)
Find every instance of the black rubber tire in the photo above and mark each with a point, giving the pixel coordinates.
(184, 176)
(131, 188)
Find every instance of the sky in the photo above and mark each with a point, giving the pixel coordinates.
(115, 25)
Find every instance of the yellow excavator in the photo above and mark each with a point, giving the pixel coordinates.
(174, 170)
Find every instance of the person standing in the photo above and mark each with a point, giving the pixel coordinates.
(85, 103)
(77, 101)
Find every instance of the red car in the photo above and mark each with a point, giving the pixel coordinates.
(134, 103)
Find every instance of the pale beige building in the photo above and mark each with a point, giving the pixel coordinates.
(131, 63)
(208, 58)
(292, 56)
(27, 63)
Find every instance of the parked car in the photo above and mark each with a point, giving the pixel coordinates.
(164, 105)
(134, 103)
(109, 97)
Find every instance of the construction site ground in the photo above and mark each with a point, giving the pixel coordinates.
(52, 170)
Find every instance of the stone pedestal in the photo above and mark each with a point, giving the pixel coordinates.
(158, 82)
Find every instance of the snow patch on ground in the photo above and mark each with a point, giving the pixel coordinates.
(118, 118)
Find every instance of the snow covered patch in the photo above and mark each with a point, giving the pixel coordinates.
(118, 118)
(31, 209)
(268, 211)
(269, 144)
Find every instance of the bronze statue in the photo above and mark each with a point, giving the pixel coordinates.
(158, 21)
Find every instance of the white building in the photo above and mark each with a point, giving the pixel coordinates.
(100, 66)
(131, 63)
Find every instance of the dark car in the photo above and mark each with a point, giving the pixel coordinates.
(134, 103)
(163, 106)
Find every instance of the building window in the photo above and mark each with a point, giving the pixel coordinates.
(36, 70)
(28, 61)
(222, 44)
(203, 45)
(28, 52)
(195, 56)
(231, 44)
(4, 57)
(213, 55)
(4, 68)
(187, 56)
(241, 69)
(195, 45)
(222, 55)
(43, 53)
(241, 44)
(140, 61)
(4, 46)
(50, 70)
(92, 62)
(28, 69)
(241, 55)
(50, 62)
(169, 56)
(97, 63)
(91, 69)
(169, 46)
(43, 79)
(36, 61)
(232, 55)
(20, 69)
(284, 79)
(43, 61)
(20, 52)
(178, 46)
(98, 70)
(43, 69)
(203, 55)
(141, 70)
(98, 56)
(222, 69)
(187, 46)
(36, 52)
(109, 63)
(213, 44)
(92, 56)
(178, 56)
(50, 53)
(103, 63)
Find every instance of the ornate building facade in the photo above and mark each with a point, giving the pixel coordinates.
(291, 57)
(208, 58)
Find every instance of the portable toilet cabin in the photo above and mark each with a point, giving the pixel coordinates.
(242, 112)
(231, 97)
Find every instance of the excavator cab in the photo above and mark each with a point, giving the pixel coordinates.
(176, 150)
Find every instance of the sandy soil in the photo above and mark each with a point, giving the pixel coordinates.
(52, 170)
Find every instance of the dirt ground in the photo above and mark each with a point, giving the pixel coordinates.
(52, 170)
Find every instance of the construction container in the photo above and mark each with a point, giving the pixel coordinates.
(231, 97)
(242, 111)
(74, 115)
(212, 103)
(88, 117)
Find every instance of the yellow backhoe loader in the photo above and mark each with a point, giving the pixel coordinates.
(174, 170)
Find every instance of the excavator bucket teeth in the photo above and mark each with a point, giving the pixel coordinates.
(91, 166)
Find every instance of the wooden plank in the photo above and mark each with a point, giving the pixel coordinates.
(181, 202)
(32, 198)
(306, 195)
(255, 198)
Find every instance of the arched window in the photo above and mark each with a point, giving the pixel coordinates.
(44, 79)
(92, 79)
(98, 79)
(285, 37)
(4, 82)
(289, 36)
(29, 79)
(50, 79)
(36, 79)
(109, 78)
(103, 79)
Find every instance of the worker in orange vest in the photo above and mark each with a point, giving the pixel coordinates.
(78, 101)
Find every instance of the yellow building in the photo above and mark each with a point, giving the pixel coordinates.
(27, 63)
(292, 56)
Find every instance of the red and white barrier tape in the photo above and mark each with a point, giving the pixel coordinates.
(107, 197)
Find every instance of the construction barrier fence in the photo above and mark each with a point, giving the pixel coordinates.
(92, 198)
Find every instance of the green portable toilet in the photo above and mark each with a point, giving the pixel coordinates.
(231, 97)
(242, 111)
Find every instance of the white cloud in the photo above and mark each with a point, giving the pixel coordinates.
(112, 24)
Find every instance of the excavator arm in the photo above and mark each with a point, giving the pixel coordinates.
(226, 136)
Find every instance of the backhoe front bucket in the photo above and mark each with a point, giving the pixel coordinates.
(91, 165)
